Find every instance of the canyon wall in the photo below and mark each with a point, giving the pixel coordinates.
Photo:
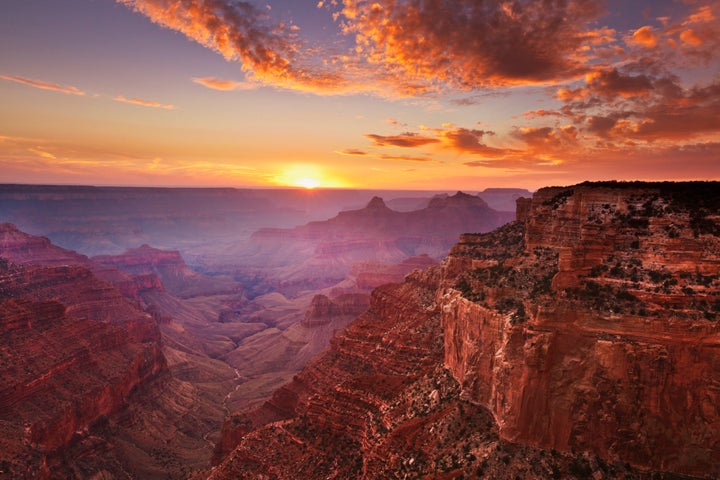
(581, 341)
(594, 324)
(72, 351)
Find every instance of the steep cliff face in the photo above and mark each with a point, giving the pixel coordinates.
(594, 325)
(72, 350)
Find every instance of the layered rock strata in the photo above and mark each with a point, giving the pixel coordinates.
(72, 350)
(380, 404)
(581, 341)
(593, 325)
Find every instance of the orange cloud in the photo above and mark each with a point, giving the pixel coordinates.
(610, 83)
(224, 85)
(568, 94)
(464, 140)
(242, 32)
(43, 85)
(467, 44)
(405, 140)
(144, 103)
(703, 14)
(548, 139)
(645, 37)
(351, 152)
(404, 158)
(689, 37)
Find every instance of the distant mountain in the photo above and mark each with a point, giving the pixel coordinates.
(320, 254)
(503, 199)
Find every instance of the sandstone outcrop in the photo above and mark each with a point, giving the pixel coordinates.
(323, 309)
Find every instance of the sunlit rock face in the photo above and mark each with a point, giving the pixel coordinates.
(594, 324)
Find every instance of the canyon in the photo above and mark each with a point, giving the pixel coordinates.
(217, 346)
(580, 340)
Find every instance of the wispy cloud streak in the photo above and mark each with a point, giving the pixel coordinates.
(143, 103)
(55, 87)
(224, 85)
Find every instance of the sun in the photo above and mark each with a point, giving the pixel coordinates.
(308, 176)
(306, 182)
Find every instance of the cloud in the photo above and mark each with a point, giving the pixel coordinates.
(44, 85)
(464, 140)
(225, 85)
(41, 153)
(144, 103)
(450, 138)
(240, 31)
(646, 107)
(703, 14)
(468, 44)
(404, 140)
(351, 151)
(414, 48)
(692, 113)
(645, 36)
(611, 83)
(690, 38)
(548, 139)
(405, 158)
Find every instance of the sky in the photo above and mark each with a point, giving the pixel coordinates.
(383, 94)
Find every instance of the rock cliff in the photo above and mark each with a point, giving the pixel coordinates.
(594, 325)
(581, 341)
(72, 350)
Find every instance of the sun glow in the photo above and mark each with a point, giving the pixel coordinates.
(308, 176)
(307, 182)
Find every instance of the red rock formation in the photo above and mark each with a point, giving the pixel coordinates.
(146, 264)
(72, 350)
(576, 339)
(594, 326)
(321, 253)
(379, 404)
(323, 309)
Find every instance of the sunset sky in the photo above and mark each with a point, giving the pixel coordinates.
(401, 94)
